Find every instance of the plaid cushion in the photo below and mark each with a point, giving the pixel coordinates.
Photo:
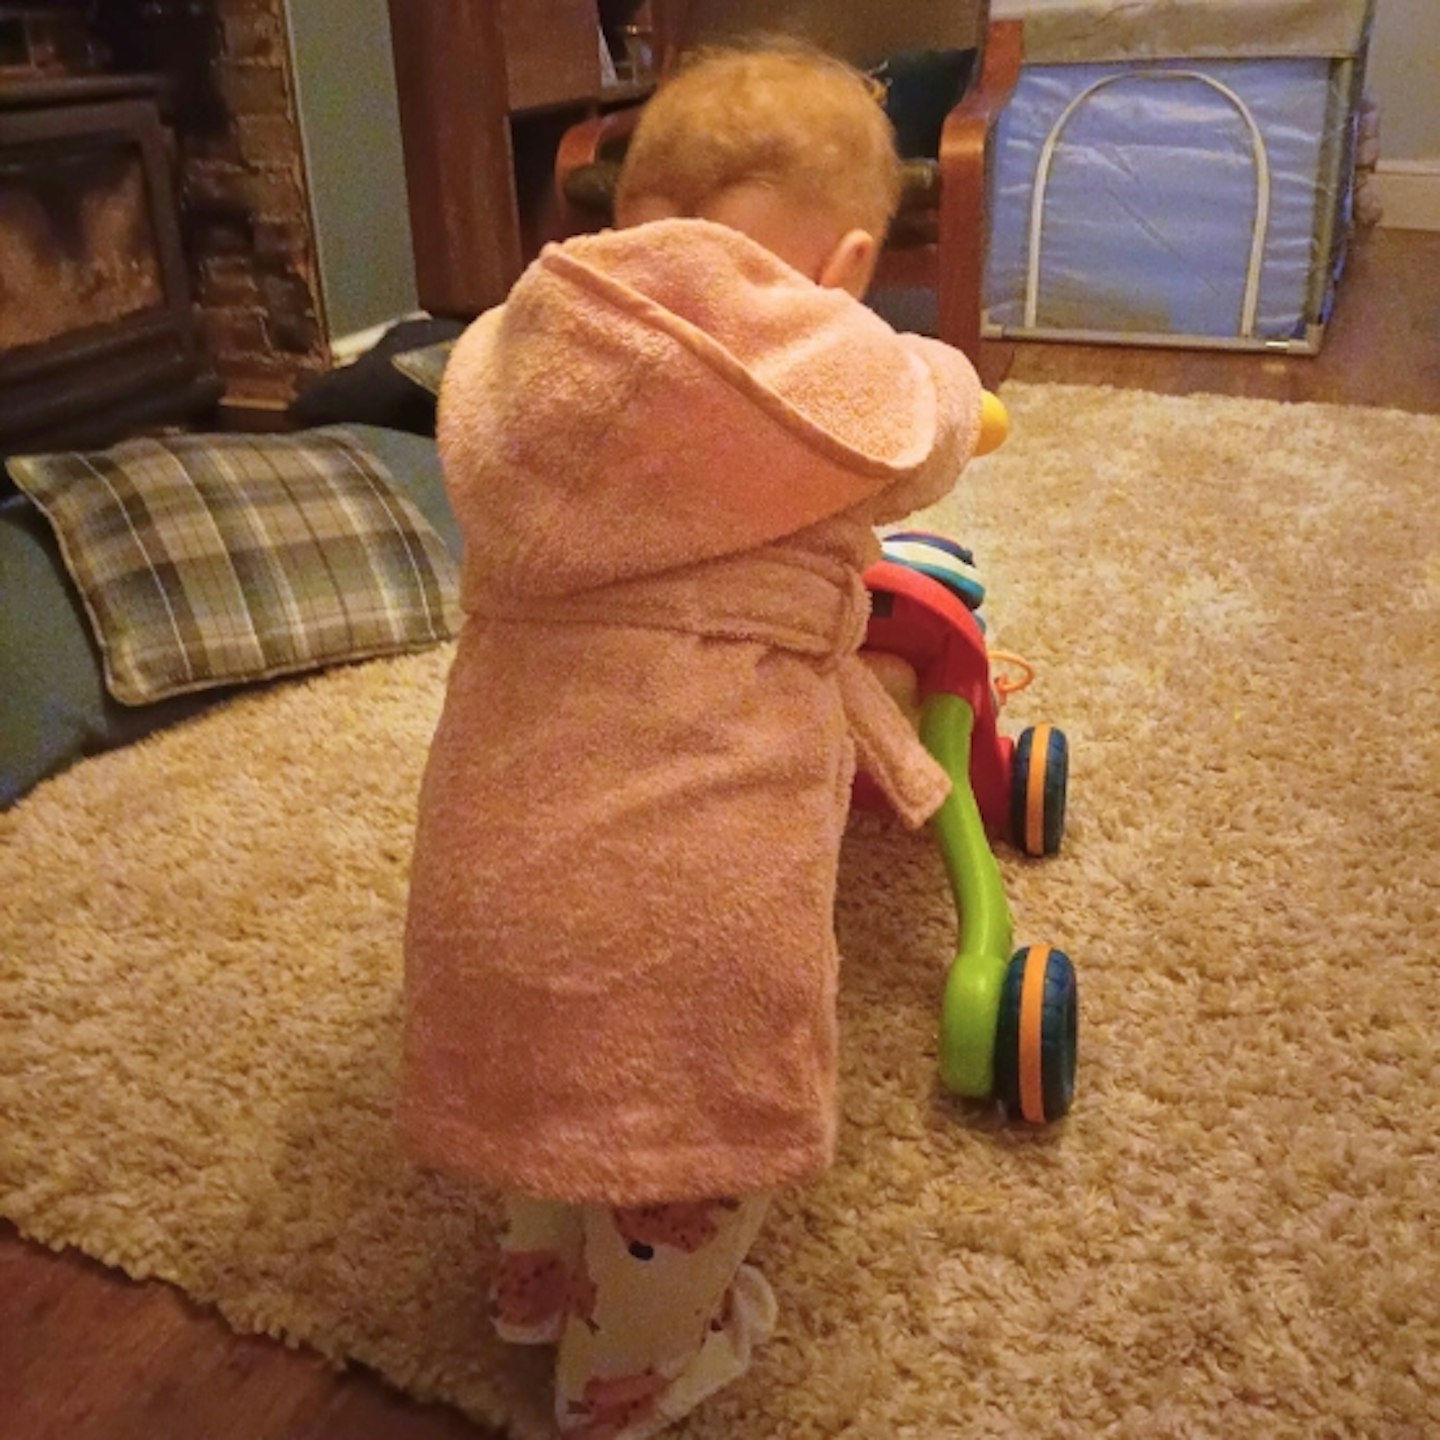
(204, 560)
(425, 366)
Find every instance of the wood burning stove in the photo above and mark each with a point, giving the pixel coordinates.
(98, 335)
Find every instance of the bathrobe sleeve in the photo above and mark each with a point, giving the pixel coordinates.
(886, 746)
(957, 431)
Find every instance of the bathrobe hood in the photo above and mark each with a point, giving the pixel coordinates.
(674, 393)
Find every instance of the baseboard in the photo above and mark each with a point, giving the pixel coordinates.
(1409, 193)
(345, 348)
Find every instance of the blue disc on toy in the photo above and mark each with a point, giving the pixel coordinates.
(943, 560)
(962, 553)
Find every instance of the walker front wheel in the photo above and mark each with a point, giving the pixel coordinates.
(1036, 1035)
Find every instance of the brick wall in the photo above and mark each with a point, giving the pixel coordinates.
(245, 211)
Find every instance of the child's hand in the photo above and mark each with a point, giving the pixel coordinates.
(899, 680)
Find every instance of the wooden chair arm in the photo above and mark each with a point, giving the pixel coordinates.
(964, 143)
(968, 125)
(583, 143)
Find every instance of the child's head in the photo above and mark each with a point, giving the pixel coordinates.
(788, 145)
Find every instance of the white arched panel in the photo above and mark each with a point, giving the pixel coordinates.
(1258, 230)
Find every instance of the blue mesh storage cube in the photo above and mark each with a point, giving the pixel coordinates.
(1176, 172)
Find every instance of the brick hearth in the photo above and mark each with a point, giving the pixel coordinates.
(245, 209)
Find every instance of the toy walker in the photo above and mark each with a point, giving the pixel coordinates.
(1009, 1022)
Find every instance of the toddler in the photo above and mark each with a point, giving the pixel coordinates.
(668, 452)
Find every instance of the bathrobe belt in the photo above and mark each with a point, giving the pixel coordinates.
(796, 602)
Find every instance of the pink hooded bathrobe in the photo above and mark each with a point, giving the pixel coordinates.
(667, 452)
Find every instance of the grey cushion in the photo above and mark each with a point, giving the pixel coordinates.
(425, 366)
(209, 559)
(370, 390)
(54, 706)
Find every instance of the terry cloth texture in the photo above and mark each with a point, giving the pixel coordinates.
(206, 560)
(1234, 608)
(667, 453)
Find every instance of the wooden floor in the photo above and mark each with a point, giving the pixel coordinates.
(86, 1354)
(1382, 347)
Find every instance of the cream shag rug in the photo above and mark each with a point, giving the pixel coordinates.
(1234, 607)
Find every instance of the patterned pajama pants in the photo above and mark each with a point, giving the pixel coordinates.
(652, 1308)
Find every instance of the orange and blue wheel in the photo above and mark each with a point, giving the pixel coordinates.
(1036, 1035)
(1037, 789)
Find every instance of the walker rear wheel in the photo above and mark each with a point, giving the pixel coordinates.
(1036, 1035)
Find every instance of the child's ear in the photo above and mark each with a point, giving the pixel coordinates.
(851, 263)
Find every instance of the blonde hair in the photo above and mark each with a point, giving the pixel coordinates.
(785, 116)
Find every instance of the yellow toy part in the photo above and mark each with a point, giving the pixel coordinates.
(994, 423)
